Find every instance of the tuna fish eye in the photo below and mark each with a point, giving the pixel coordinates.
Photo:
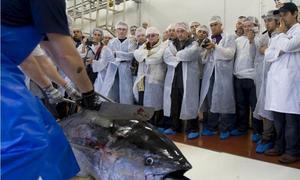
(149, 161)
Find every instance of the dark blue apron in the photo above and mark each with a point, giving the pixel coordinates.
(32, 143)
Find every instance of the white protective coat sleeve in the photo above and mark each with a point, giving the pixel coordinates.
(293, 43)
(227, 52)
(123, 56)
(273, 51)
(79, 49)
(252, 50)
(157, 57)
(140, 54)
(106, 56)
(170, 56)
(187, 53)
(126, 56)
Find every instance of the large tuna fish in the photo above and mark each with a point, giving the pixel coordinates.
(122, 149)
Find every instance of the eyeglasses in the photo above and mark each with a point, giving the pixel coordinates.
(97, 35)
(151, 35)
(194, 26)
(121, 29)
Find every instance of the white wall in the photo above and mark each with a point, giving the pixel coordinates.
(161, 13)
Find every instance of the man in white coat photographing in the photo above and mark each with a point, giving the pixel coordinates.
(217, 94)
(283, 85)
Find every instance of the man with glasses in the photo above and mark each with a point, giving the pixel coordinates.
(193, 26)
(217, 94)
(118, 80)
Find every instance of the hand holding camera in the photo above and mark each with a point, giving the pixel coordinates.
(207, 44)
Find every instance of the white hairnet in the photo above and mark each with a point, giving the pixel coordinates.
(140, 31)
(122, 24)
(252, 19)
(152, 30)
(202, 28)
(182, 25)
(99, 30)
(107, 34)
(171, 26)
(194, 23)
(215, 19)
(241, 19)
(270, 15)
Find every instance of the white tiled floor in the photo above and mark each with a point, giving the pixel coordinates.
(210, 165)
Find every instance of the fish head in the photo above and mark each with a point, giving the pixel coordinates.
(153, 151)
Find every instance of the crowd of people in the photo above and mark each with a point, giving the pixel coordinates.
(234, 80)
(186, 73)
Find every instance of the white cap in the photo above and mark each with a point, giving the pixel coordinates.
(107, 34)
(215, 19)
(202, 28)
(140, 31)
(182, 25)
(271, 15)
(171, 26)
(252, 19)
(122, 24)
(152, 30)
(99, 30)
(194, 23)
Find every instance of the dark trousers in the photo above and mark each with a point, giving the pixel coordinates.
(157, 118)
(287, 127)
(192, 125)
(174, 122)
(141, 98)
(245, 97)
(268, 133)
(215, 121)
(176, 101)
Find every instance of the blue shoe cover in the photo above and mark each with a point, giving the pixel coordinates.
(224, 135)
(207, 132)
(169, 132)
(193, 135)
(237, 132)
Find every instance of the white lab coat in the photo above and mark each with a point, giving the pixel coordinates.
(244, 60)
(189, 57)
(100, 66)
(283, 81)
(220, 60)
(119, 88)
(261, 40)
(260, 111)
(89, 51)
(153, 69)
